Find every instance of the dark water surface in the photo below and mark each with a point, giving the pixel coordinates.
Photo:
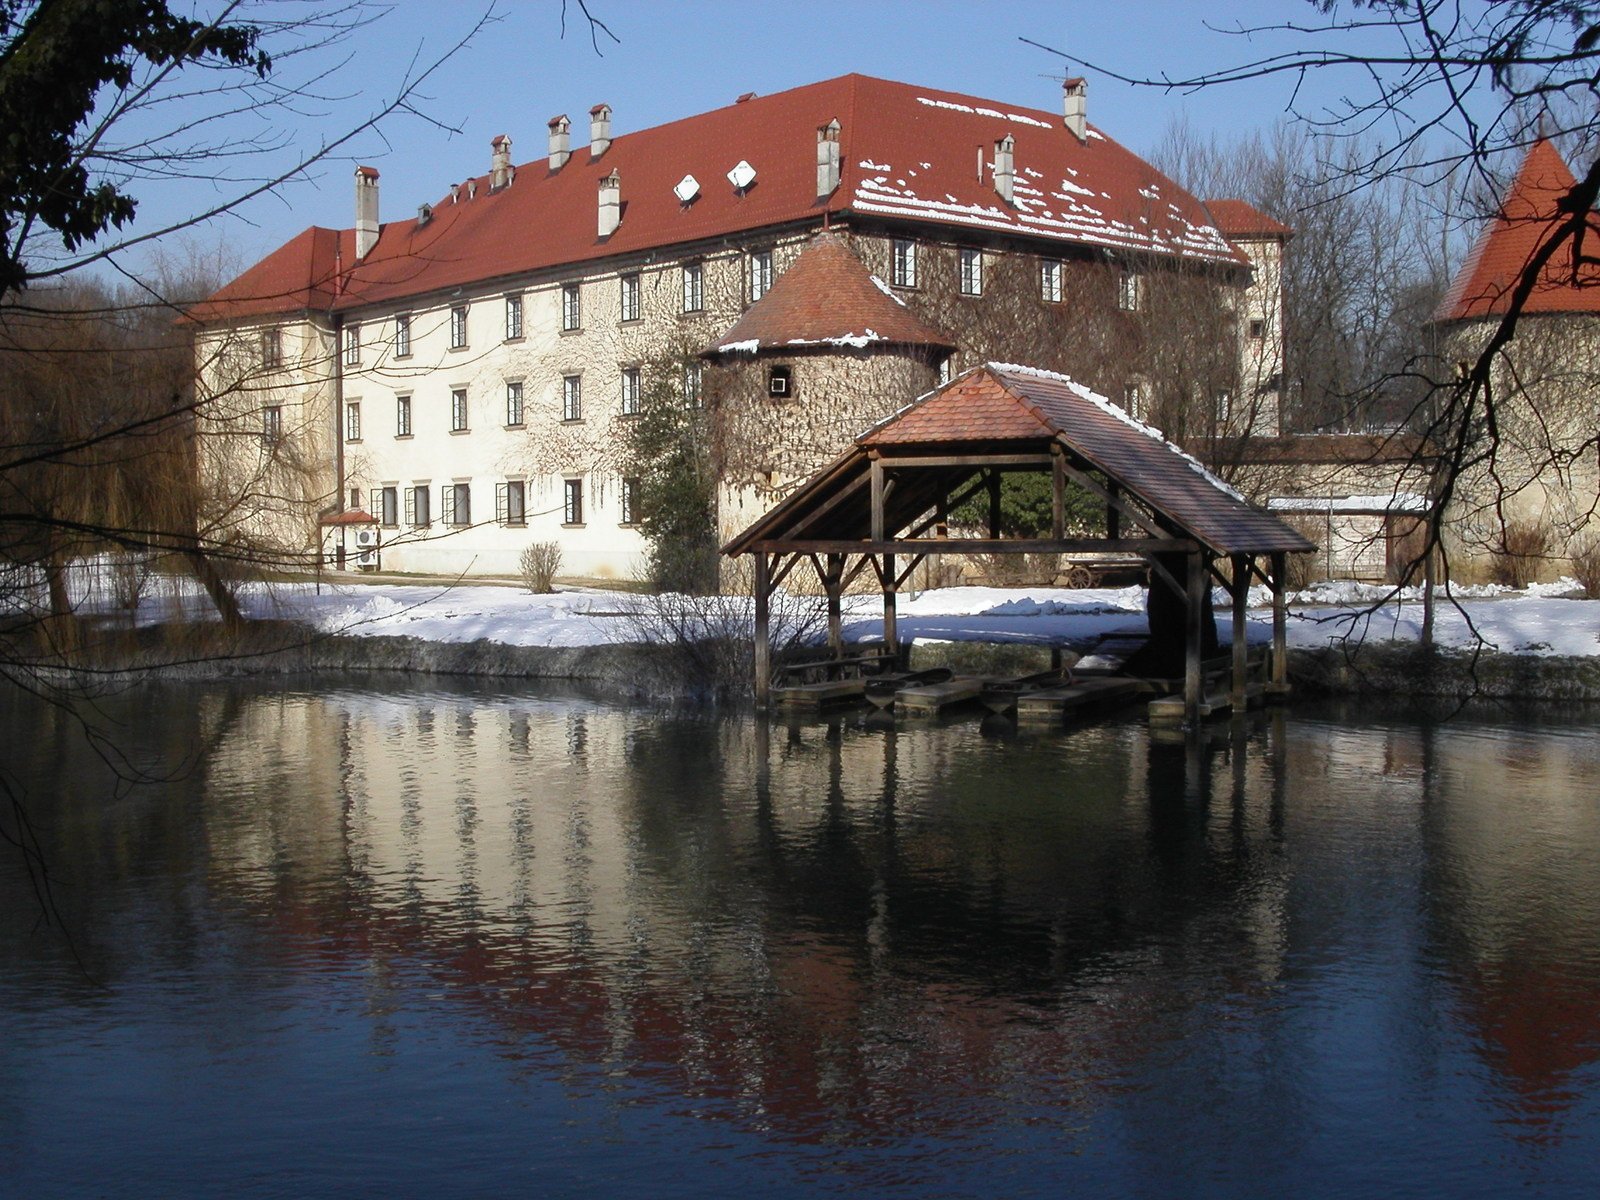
(443, 943)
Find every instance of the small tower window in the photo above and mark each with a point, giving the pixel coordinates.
(780, 382)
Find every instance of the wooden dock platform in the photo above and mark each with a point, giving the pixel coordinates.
(1052, 704)
(819, 695)
(933, 698)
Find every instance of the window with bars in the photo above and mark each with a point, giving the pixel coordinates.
(511, 502)
(694, 297)
(418, 511)
(271, 347)
(630, 501)
(1050, 281)
(458, 410)
(352, 345)
(971, 272)
(272, 424)
(352, 421)
(1130, 291)
(402, 336)
(760, 274)
(571, 307)
(402, 416)
(631, 385)
(386, 505)
(572, 502)
(514, 413)
(455, 503)
(903, 263)
(513, 317)
(572, 398)
(1133, 400)
(693, 385)
(458, 327)
(630, 297)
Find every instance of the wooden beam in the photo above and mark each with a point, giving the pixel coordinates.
(784, 568)
(891, 629)
(1280, 623)
(1114, 501)
(894, 463)
(916, 561)
(862, 564)
(877, 500)
(980, 546)
(1194, 641)
(1113, 511)
(763, 645)
(994, 504)
(1241, 659)
(832, 586)
(1058, 494)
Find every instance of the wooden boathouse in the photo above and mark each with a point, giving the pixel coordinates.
(884, 505)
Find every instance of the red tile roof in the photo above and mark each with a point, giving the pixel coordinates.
(827, 298)
(1240, 218)
(350, 516)
(1529, 214)
(907, 152)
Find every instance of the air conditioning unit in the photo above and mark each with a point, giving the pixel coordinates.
(366, 538)
(367, 560)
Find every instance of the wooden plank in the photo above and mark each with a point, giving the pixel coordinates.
(1052, 704)
(1172, 710)
(763, 645)
(980, 546)
(933, 697)
(894, 462)
(815, 695)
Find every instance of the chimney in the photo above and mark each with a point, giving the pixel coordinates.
(828, 157)
(610, 204)
(560, 127)
(599, 130)
(500, 172)
(1074, 107)
(1003, 177)
(366, 210)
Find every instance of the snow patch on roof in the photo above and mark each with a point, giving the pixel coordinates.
(886, 290)
(749, 346)
(866, 164)
(1122, 415)
(857, 340)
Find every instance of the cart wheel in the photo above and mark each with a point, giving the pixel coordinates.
(1080, 577)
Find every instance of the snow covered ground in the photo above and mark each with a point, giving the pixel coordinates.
(1546, 619)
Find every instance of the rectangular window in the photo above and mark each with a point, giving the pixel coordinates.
(630, 297)
(972, 272)
(1133, 400)
(630, 391)
(1130, 295)
(458, 410)
(458, 327)
(903, 265)
(352, 345)
(513, 317)
(272, 423)
(352, 421)
(760, 274)
(418, 512)
(456, 504)
(271, 348)
(402, 336)
(402, 416)
(514, 402)
(694, 299)
(630, 502)
(572, 506)
(511, 502)
(1258, 329)
(1050, 281)
(571, 307)
(692, 385)
(571, 398)
(386, 505)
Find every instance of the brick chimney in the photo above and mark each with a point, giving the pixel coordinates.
(500, 172)
(828, 157)
(366, 210)
(610, 204)
(599, 130)
(1075, 107)
(560, 130)
(1004, 177)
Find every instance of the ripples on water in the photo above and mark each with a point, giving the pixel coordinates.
(467, 943)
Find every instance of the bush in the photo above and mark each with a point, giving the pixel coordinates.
(1586, 567)
(1523, 546)
(540, 562)
(130, 577)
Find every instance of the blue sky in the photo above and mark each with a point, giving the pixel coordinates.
(679, 58)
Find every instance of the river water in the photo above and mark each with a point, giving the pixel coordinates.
(436, 942)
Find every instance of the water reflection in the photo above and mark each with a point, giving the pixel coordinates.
(867, 934)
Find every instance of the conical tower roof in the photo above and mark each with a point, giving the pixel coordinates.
(827, 298)
(1530, 214)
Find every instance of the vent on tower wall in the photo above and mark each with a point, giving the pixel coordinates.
(828, 158)
(1075, 107)
(1004, 153)
(599, 130)
(610, 204)
(560, 142)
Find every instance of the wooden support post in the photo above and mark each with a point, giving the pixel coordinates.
(1241, 649)
(891, 632)
(1113, 513)
(834, 586)
(994, 503)
(1194, 641)
(1427, 591)
(1280, 625)
(763, 643)
(877, 500)
(1058, 494)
